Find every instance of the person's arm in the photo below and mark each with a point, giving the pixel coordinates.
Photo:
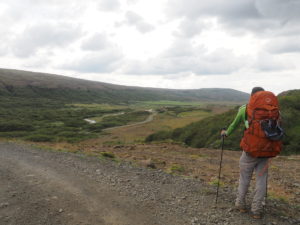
(240, 116)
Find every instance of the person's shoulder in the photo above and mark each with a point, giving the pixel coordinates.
(243, 107)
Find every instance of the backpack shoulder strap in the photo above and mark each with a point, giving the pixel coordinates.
(245, 116)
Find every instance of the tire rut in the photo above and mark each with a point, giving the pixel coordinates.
(48, 195)
(57, 188)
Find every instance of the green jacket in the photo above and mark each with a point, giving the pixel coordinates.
(240, 117)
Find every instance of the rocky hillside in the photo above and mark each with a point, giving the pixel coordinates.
(32, 85)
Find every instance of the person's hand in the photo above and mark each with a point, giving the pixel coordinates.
(223, 133)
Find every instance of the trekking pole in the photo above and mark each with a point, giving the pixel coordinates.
(219, 177)
(266, 193)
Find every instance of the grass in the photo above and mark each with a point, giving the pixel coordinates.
(100, 118)
(195, 113)
(197, 156)
(113, 143)
(165, 120)
(108, 155)
(98, 106)
(169, 121)
(42, 120)
(275, 196)
(169, 103)
(184, 103)
(274, 167)
(214, 182)
(176, 168)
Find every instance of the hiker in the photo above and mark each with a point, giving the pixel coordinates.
(258, 148)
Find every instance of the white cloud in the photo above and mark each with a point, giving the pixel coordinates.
(26, 12)
(166, 43)
(190, 28)
(96, 42)
(183, 57)
(136, 20)
(267, 63)
(109, 5)
(42, 36)
(131, 2)
(96, 62)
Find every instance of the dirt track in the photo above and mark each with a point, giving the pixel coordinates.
(44, 187)
(148, 120)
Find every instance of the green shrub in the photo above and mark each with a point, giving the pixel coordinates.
(159, 136)
(97, 127)
(15, 126)
(107, 155)
(40, 138)
(206, 133)
(216, 182)
(75, 122)
(68, 134)
(14, 134)
(176, 168)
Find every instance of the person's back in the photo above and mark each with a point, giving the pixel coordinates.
(262, 109)
(257, 147)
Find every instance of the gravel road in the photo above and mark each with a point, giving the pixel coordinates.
(40, 187)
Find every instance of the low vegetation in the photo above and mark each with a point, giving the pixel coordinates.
(205, 133)
(44, 120)
(176, 169)
(108, 155)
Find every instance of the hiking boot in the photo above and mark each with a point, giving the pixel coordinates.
(241, 209)
(256, 215)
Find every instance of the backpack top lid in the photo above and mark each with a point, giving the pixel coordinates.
(262, 100)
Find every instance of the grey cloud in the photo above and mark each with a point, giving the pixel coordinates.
(268, 63)
(96, 43)
(284, 10)
(182, 48)
(284, 45)
(3, 50)
(190, 28)
(97, 62)
(136, 20)
(254, 15)
(44, 35)
(28, 10)
(37, 62)
(185, 58)
(4, 41)
(109, 5)
(230, 9)
(290, 29)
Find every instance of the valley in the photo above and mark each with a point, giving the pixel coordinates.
(116, 132)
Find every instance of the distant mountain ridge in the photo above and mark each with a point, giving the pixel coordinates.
(19, 83)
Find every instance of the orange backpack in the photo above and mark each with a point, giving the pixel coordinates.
(263, 115)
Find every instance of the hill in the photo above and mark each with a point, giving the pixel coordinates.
(205, 133)
(26, 84)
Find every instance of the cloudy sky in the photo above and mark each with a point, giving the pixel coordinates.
(160, 43)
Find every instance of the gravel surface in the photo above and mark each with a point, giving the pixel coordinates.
(39, 186)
